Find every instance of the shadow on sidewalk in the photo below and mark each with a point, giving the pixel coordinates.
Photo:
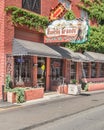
(85, 94)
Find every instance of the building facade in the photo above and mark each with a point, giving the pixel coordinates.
(44, 65)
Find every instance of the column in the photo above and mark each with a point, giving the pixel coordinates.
(34, 70)
(48, 74)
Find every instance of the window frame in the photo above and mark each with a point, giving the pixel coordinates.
(31, 6)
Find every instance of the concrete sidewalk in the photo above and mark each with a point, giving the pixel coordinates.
(49, 96)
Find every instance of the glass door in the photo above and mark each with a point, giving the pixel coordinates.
(41, 75)
(56, 72)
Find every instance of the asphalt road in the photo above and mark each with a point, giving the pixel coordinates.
(37, 115)
(92, 119)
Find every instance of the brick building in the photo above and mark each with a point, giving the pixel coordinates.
(27, 68)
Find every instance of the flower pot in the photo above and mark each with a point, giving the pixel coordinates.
(63, 89)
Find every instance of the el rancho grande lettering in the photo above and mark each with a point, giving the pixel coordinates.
(57, 32)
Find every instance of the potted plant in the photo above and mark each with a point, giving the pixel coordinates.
(16, 95)
(21, 95)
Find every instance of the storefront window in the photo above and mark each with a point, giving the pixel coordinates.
(41, 75)
(73, 71)
(101, 70)
(85, 70)
(56, 69)
(32, 5)
(22, 70)
(93, 70)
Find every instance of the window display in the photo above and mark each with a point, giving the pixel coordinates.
(73, 71)
(93, 70)
(56, 69)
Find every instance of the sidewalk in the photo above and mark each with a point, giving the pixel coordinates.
(50, 96)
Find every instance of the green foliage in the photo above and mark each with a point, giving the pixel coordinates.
(94, 8)
(23, 17)
(19, 94)
(8, 79)
(95, 43)
(74, 81)
(69, 15)
(86, 87)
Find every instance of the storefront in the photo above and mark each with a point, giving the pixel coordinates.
(36, 64)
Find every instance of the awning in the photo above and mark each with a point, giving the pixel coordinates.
(23, 47)
(69, 54)
(95, 57)
(65, 52)
(83, 58)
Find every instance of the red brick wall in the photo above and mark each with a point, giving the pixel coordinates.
(17, 3)
(75, 8)
(6, 36)
(28, 35)
(46, 5)
(2, 57)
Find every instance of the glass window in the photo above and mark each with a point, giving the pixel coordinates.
(85, 70)
(66, 3)
(93, 70)
(56, 69)
(73, 71)
(101, 70)
(22, 70)
(32, 5)
(84, 14)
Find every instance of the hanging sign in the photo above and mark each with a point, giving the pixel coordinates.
(74, 31)
(57, 12)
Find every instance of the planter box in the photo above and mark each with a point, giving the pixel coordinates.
(34, 94)
(30, 94)
(11, 97)
(62, 89)
(95, 86)
(5, 96)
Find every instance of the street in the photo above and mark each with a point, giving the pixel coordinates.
(92, 119)
(54, 112)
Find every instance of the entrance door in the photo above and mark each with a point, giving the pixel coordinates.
(41, 75)
(56, 73)
(22, 70)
